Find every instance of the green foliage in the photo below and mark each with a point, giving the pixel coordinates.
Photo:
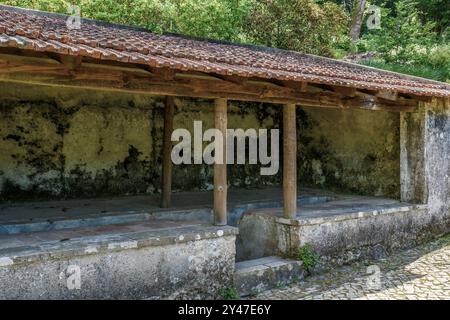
(423, 70)
(403, 38)
(308, 257)
(300, 25)
(217, 19)
(436, 12)
(229, 294)
(439, 57)
(408, 41)
(59, 6)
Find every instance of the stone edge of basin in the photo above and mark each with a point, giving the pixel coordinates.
(363, 214)
(91, 245)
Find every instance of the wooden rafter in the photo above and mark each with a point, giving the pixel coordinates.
(74, 73)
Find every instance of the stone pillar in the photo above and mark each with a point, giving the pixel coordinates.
(220, 170)
(425, 160)
(289, 162)
(412, 157)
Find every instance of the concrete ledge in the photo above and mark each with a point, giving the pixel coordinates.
(188, 262)
(114, 242)
(359, 215)
(340, 231)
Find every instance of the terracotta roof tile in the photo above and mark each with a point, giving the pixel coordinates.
(40, 31)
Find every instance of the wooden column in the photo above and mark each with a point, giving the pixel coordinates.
(289, 162)
(166, 181)
(220, 170)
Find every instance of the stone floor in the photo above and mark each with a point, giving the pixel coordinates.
(416, 274)
(81, 208)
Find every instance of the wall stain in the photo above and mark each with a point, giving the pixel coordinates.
(69, 143)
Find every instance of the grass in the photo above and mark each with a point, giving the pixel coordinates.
(229, 294)
(424, 71)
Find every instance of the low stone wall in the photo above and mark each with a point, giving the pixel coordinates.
(190, 263)
(340, 238)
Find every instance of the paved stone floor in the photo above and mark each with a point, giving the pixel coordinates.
(416, 274)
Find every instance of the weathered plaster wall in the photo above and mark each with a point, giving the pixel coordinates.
(75, 143)
(437, 167)
(66, 143)
(350, 150)
(425, 173)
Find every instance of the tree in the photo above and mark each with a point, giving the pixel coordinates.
(217, 19)
(403, 38)
(357, 19)
(300, 25)
(436, 11)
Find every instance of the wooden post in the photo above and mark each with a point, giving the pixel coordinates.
(220, 170)
(166, 181)
(289, 162)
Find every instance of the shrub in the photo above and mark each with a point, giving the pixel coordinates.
(229, 293)
(308, 257)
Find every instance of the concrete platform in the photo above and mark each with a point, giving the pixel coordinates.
(341, 230)
(154, 259)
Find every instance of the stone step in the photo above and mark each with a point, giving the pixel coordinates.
(253, 276)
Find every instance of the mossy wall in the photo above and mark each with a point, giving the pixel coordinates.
(66, 143)
(350, 150)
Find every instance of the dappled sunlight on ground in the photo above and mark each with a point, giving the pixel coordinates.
(419, 273)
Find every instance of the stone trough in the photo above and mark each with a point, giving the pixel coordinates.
(80, 249)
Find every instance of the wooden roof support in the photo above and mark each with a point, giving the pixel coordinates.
(31, 70)
(220, 169)
(166, 180)
(289, 162)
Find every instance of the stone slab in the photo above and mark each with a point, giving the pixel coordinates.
(253, 276)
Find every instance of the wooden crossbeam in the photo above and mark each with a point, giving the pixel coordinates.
(167, 82)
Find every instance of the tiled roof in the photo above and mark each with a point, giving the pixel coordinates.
(45, 32)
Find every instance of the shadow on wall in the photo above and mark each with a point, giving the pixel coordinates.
(69, 143)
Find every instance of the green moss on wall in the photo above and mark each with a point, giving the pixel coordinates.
(68, 143)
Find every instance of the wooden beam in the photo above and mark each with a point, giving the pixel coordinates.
(416, 97)
(289, 162)
(346, 91)
(168, 83)
(166, 181)
(90, 65)
(388, 95)
(220, 170)
(69, 61)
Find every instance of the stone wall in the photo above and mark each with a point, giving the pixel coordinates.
(66, 143)
(425, 158)
(190, 262)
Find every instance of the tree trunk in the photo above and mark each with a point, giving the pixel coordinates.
(357, 19)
